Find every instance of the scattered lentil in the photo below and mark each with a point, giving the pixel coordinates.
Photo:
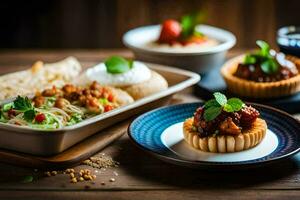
(116, 173)
(72, 175)
(53, 173)
(112, 179)
(48, 174)
(74, 180)
(101, 161)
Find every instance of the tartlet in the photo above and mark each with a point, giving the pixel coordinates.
(237, 127)
(256, 83)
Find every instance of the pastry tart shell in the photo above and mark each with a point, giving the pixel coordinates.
(254, 89)
(225, 143)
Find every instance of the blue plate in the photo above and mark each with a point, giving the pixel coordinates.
(159, 132)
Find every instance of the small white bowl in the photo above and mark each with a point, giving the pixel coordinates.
(200, 60)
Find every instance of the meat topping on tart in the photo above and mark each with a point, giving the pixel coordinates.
(266, 65)
(222, 116)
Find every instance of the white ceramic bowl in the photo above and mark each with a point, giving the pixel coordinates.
(200, 60)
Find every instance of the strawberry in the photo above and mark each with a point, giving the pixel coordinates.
(170, 32)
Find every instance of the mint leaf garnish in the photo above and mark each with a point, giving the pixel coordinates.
(263, 57)
(118, 65)
(264, 47)
(269, 66)
(228, 108)
(211, 103)
(214, 107)
(189, 23)
(249, 59)
(211, 113)
(220, 98)
(235, 103)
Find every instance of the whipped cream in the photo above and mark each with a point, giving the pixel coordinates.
(178, 48)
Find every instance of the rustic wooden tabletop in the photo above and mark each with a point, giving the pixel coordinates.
(140, 176)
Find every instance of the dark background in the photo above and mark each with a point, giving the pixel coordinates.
(101, 23)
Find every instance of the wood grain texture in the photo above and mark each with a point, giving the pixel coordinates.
(141, 176)
(101, 23)
(150, 195)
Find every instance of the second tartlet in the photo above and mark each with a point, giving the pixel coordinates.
(262, 74)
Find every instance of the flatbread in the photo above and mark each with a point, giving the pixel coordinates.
(155, 84)
(39, 77)
(122, 97)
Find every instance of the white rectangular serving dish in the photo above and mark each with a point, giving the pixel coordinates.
(49, 142)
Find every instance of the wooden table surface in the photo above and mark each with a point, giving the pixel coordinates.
(141, 176)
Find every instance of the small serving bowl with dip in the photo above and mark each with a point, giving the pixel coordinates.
(196, 57)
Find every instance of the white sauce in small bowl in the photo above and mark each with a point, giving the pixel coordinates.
(183, 48)
(137, 74)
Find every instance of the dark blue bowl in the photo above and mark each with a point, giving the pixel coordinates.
(288, 40)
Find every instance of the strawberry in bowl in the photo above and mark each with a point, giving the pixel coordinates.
(184, 43)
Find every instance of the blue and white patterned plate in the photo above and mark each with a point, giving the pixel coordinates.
(159, 132)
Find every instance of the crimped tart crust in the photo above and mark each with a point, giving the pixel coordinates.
(226, 143)
(254, 89)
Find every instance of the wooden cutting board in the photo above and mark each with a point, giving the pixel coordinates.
(71, 156)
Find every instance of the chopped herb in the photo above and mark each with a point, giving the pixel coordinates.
(29, 115)
(103, 101)
(117, 65)
(7, 106)
(22, 104)
(75, 118)
(2, 117)
(214, 107)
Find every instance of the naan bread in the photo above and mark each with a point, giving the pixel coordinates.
(39, 77)
(122, 97)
